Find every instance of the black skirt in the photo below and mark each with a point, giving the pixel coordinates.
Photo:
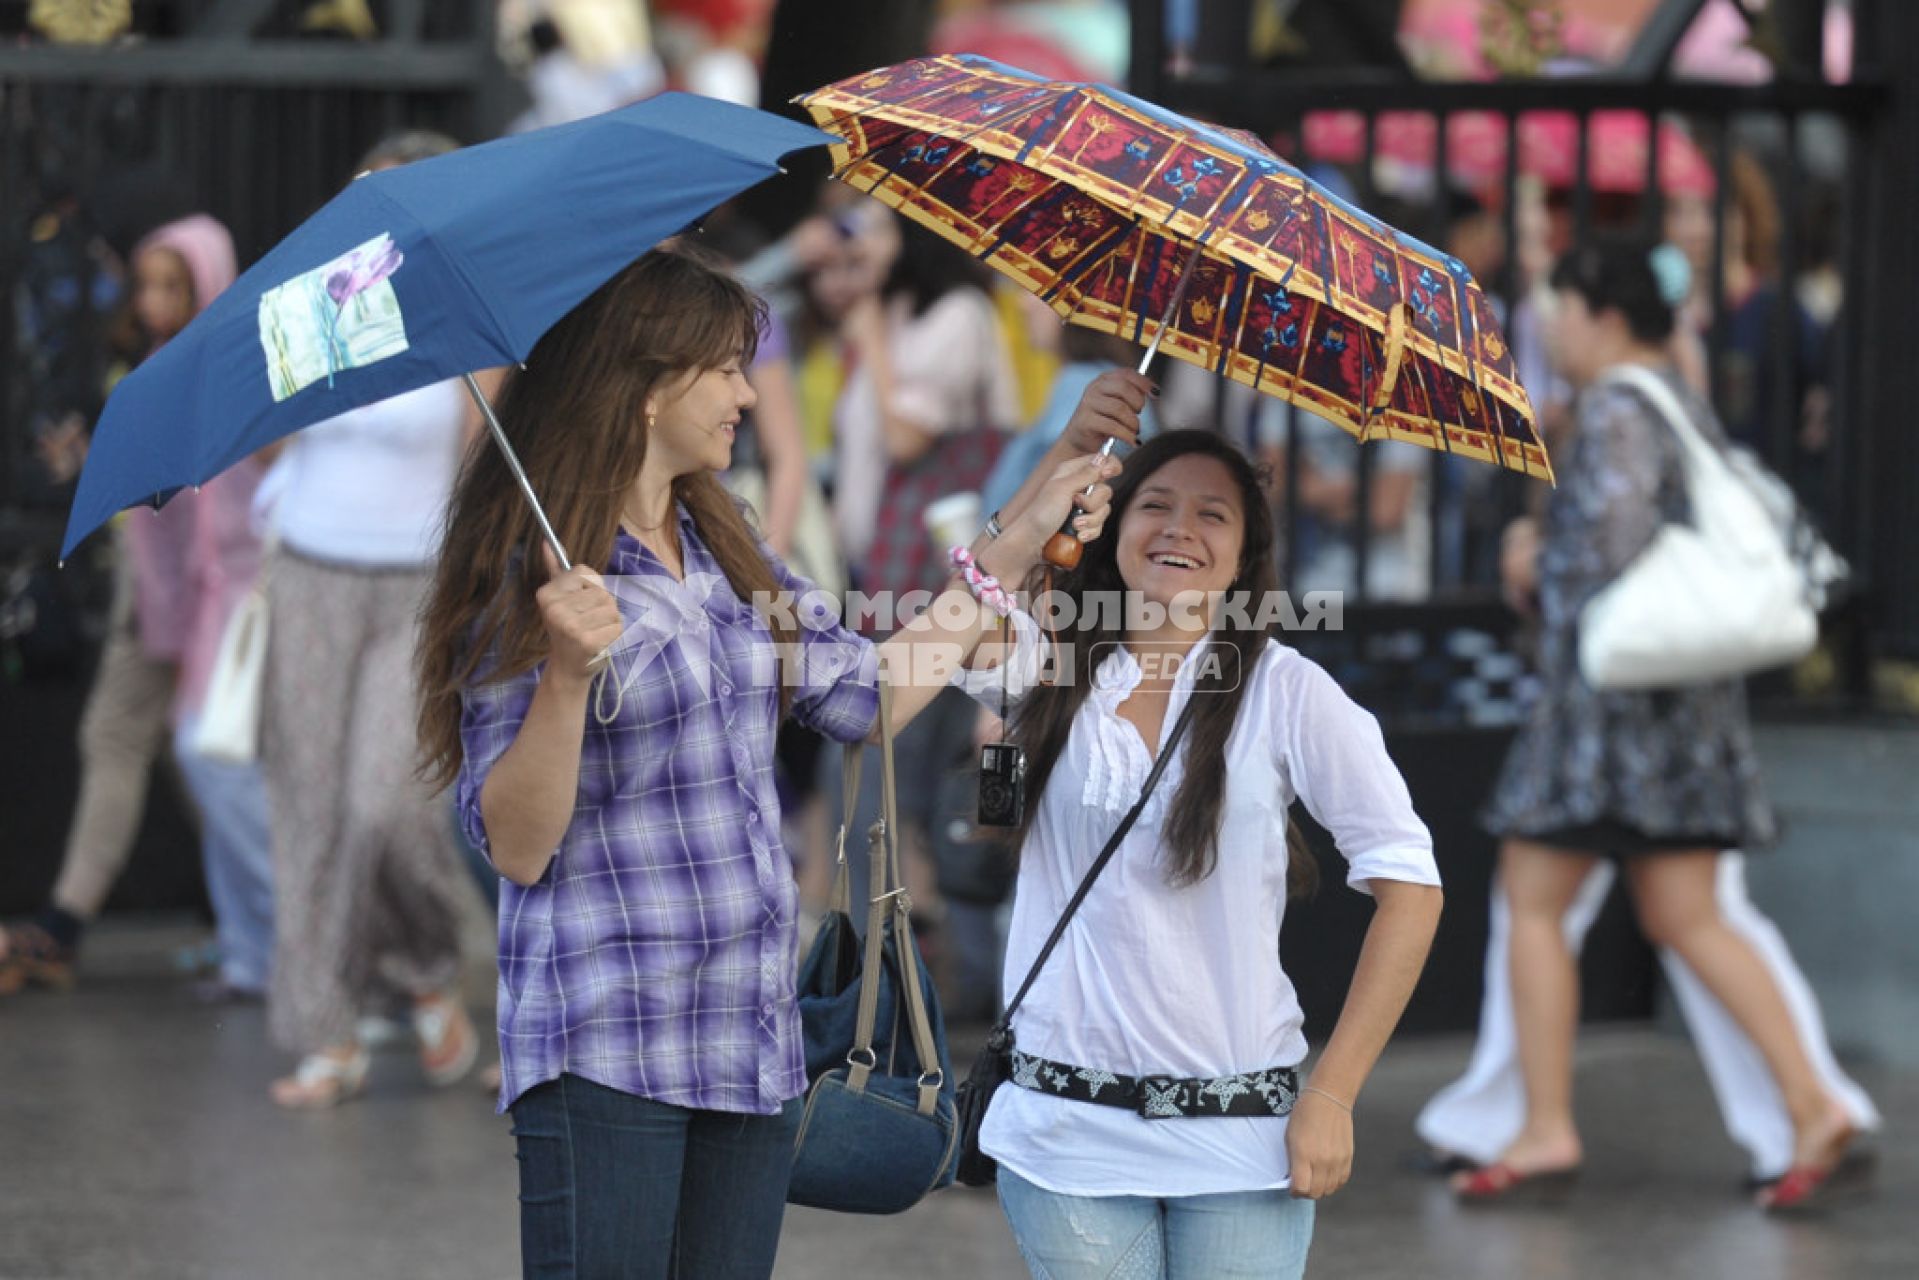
(1611, 838)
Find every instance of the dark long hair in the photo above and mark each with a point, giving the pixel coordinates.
(576, 417)
(1044, 718)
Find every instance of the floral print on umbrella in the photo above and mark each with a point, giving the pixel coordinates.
(340, 315)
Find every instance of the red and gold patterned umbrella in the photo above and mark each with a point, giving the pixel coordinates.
(1131, 219)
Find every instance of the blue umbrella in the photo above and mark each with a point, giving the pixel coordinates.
(418, 274)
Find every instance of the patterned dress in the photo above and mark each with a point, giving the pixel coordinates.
(1647, 767)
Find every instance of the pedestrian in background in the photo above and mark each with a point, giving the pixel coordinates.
(1663, 780)
(368, 877)
(177, 270)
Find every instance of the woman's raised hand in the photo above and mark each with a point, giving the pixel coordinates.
(1110, 408)
(1078, 482)
(581, 616)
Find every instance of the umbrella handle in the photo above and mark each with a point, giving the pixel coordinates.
(1064, 547)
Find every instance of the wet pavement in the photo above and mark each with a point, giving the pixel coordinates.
(137, 1142)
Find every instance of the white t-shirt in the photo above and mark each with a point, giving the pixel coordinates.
(1153, 980)
(370, 487)
(949, 373)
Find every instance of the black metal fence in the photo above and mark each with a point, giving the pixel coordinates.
(103, 143)
(1820, 403)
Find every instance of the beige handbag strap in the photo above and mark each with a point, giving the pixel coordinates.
(889, 895)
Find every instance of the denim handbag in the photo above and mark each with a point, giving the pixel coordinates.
(879, 1130)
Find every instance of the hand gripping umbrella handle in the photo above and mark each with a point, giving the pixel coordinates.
(1064, 547)
(526, 487)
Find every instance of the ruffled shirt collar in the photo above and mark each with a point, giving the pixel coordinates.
(1119, 761)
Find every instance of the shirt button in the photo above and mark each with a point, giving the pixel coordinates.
(753, 815)
(767, 1009)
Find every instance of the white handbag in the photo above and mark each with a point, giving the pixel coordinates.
(229, 726)
(1718, 598)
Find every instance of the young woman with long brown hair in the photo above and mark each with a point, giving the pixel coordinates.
(649, 1037)
(1155, 1121)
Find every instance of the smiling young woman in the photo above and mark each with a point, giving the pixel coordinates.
(1171, 966)
(611, 729)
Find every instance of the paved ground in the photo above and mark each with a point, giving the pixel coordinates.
(136, 1142)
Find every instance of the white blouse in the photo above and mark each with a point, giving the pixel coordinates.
(370, 487)
(950, 373)
(1153, 980)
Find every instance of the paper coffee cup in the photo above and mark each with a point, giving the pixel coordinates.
(953, 520)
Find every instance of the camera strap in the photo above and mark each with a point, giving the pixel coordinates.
(1003, 1027)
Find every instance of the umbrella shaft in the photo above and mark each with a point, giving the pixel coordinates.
(1172, 308)
(519, 473)
(1165, 321)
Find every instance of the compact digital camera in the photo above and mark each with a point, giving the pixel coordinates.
(1002, 784)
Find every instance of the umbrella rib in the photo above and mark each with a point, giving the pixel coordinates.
(1100, 250)
(1479, 393)
(1445, 438)
(1139, 317)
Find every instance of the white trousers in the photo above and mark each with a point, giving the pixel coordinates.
(1479, 1115)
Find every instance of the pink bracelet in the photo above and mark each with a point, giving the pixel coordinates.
(984, 586)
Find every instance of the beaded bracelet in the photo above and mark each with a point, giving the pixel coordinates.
(984, 586)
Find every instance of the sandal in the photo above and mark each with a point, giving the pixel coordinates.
(1500, 1183)
(323, 1080)
(1810, 1189)
(449, 1046)
(31, 957)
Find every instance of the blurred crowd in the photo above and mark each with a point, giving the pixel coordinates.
(897, 372)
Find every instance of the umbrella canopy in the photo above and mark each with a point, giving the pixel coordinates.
(1121, 214)
(418, 274)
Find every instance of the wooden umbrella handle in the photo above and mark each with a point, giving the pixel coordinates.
(1063, 549)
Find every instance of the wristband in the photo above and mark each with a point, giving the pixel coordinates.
(993, 527)
(1343, 1105)
(984, 586)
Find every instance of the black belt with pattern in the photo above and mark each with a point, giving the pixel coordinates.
(1271, 1092)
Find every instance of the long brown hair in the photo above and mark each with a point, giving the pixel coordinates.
(1044, 718)
(575, 415)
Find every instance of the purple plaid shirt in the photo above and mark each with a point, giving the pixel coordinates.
(657, 954)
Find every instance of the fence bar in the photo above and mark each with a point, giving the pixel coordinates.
(1362, 505)
(1438, 477)
(1716, 297)
(1789, 372)
(1252, 98)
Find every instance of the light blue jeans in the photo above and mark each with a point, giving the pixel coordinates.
(1251, 1235)
(236, 850)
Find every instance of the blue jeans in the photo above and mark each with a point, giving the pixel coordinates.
(616, 1186)
(236, 850)
(1251, 1235)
